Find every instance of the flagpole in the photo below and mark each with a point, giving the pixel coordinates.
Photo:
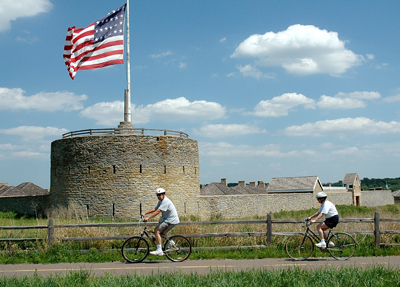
(127, 106)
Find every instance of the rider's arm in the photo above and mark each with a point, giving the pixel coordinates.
(147, 212)
(154, 212)
(314, 215)
(318, 217)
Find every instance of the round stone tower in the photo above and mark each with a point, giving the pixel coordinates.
(111, 173)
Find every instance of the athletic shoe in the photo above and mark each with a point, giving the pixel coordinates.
(331, 244)
(157, 253)
(321, 245)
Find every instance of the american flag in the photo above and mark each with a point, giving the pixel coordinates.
(98, 45)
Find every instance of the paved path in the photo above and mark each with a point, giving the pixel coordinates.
(192, 266)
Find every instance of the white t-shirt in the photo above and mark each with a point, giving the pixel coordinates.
(328, 208)
(168, 211)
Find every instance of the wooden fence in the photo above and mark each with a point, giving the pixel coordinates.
(269, 229)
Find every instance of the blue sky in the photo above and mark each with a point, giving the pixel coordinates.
(267, 88)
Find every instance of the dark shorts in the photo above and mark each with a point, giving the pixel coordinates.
(331, 222)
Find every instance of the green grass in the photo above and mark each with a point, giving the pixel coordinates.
(348, 276)
(64, 253)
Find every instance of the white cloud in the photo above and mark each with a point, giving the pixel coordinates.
(349, 151)
(11, 10)
(301, 49)
(33, 133)
(106, 113)
(252, 71)
(224, 149)
(7, 146)
(370, 56)
(110, 114)
(280, 106)
(391, 148)
(360, 95)
(25, 154)
(182, 65)
(222, 40)
(380, 66)
(392, 99)
(347, 100)
(344, 126)
(13, 99)
(28, 38)
(220, 130)
(326, 102)
(161, 55)
(182, 109)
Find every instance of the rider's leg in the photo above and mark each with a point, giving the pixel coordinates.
(321, 228)
(162, 230)
(157, 235)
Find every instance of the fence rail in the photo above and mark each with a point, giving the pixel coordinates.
(117, 131)
(268, 233)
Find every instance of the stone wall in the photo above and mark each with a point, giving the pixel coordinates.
(113, 175)
(250, 205)
(29, 205)
(376, 197)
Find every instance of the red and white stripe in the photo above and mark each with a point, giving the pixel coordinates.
(80, 52)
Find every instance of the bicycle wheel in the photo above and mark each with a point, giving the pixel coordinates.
(299, 247)
(177, 248)
(344, 247)
(135, 249)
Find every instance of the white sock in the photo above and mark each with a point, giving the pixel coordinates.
(323, 240)
(159, 247)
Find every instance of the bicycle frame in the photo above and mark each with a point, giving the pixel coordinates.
(315, 237)
(146, 232)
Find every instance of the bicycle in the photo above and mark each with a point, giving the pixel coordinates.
(135, 249)
(340, 245)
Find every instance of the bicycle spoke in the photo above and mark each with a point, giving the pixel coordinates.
(299, 247)
(135, 249)
(344, 246)
(177, 248)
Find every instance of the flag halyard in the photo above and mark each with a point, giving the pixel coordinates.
(99, 45)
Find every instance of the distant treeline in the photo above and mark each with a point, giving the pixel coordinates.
(366, 183)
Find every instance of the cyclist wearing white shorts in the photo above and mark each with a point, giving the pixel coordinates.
(331, 217)
(169, 218)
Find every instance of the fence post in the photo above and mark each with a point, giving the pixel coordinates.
(269, 229)
(50, 232)
(376, 231)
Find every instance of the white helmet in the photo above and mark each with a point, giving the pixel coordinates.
(321, 195)
(160, 190)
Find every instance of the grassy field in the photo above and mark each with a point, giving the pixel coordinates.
(349, 276)
(39, 252)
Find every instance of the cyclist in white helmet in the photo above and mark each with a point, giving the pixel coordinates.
(331, 217)
(169, 218)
